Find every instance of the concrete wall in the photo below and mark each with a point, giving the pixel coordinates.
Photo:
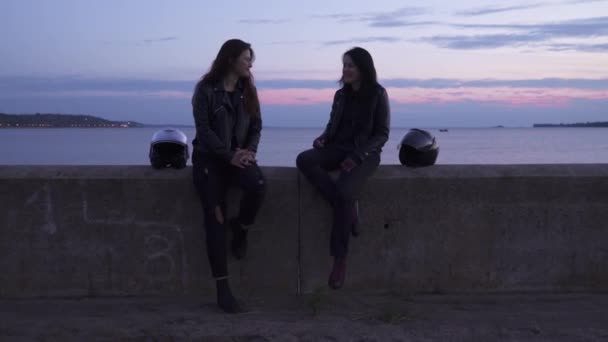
(75, 230)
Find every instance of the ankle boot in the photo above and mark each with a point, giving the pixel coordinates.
(338, 273)
(225, 299)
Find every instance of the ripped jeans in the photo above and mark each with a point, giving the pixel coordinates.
(212, 177)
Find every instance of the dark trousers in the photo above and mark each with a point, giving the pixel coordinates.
(316, 164)
(212, 177)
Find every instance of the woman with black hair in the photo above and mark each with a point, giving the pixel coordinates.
(228, 124)
(357, 130)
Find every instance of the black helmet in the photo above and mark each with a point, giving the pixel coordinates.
(418, 148)
(169, 148)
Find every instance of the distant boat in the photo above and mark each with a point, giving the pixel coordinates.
(443, 130)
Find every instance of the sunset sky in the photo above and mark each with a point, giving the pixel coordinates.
(444, 63)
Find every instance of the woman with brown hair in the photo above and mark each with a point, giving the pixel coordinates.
(228, 123)
(357, 130)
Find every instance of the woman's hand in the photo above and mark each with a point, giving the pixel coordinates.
(239, 158)
(246, 157)
(348, 164)
(319, 142)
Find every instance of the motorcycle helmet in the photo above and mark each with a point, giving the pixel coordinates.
(418, 148)
(169, 148)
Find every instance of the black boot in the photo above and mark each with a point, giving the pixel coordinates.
(225, 299)
(338, 273)
(239, 239)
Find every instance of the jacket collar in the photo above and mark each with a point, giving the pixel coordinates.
(218, 87)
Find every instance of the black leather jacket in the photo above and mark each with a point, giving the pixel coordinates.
(217, 120)
(372, 129)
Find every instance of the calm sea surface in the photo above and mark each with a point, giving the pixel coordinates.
(279, 146)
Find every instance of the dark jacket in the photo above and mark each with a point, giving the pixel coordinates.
(217, 120)
(372, 128)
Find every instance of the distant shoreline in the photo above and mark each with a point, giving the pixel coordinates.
(39, 120)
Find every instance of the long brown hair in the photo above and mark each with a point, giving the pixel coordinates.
(364, 62)
(230, 52)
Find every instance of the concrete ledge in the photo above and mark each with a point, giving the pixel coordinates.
(450, 229)
(115, 230)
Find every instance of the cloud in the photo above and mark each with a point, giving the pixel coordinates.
(540, 97)
(578, 47)
(584, 27)
(522, 96)
(492, 10)
(482, 41)
(31, 85)
(363, 40)
(525, 35)
(73, 85)
(307, 102)
(382, 19)
(294, 83)
(599, 84)
(263, 21)
(401, 23)
(523, 93)
(296, 96)
(549, 83)
(290, 42)
(577, 2)
(162, 39)
(143, 42)
(505, 96)
(578, 83)
(499, 9)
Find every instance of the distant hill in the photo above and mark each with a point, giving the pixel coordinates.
(39, 120)
(578, 124)
(168, 125)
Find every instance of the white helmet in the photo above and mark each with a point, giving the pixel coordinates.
(169, 148)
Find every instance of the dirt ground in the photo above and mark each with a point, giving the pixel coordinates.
(323, 316)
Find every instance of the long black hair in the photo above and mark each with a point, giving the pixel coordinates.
(228, 54)
(364, 62)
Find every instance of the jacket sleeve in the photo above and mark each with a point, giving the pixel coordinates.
(380, 131)
(201, 106)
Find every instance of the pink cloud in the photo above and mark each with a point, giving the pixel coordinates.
(296, 96)
(507, 96)
(539, 97)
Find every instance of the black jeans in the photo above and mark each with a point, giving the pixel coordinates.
(316, 164)
(212, 177)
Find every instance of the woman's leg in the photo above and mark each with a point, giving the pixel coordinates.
(348, 187)
(209, 181)
(315, 165)
(253, 184)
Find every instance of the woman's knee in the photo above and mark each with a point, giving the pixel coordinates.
(214, 220)
(254, 181)
(258, 186)
(305, 159)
